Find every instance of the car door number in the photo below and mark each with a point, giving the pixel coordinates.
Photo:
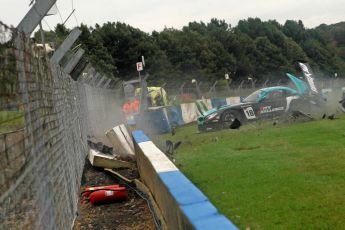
(249, 112)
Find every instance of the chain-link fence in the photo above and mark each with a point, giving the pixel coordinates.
(189, 92)
(44, 124)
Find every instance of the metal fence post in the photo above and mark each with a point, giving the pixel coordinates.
(65, 46)
(181, 88)
(32, 19)
(212, 91)
(101, 81)
(95, 79)
(107, 83)
(71, 64)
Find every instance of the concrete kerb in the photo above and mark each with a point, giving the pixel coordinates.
(182, 204)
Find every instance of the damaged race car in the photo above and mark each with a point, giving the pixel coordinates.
(303, 100)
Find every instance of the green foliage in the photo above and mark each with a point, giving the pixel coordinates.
(55, 37)
(11, 121)
(207, 51)
(8, 71)
(294, 30)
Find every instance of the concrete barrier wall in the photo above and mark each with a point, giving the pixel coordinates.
(190, 112)
(161, 119)
(233, 100)
(182, 204)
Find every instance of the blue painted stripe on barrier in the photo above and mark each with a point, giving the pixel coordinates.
(181, 188)
(213, 223)
(169, 179)
(216, 102)
(139, 136)
(199, 210)
(191, 201)
(188, 195)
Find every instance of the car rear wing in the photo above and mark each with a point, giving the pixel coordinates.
(309, 76)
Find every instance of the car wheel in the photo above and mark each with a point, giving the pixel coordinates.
(230, 120)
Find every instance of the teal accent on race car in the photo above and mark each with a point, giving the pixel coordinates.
(300, 85)
(258, 96)
(203, 117)
(210, 112)
(265, 91)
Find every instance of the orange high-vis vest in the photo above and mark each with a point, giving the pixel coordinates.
(135, 106)
(126, 108)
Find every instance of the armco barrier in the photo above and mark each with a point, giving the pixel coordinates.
(182, 204)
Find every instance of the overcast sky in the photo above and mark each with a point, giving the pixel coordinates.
(152, 15)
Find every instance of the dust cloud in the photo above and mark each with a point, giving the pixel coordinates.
(104, 111)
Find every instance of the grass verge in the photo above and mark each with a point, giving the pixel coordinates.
(281, 177)
(11, 121)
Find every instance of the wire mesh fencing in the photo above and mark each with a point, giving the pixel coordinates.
(43, 137)
(189, 92)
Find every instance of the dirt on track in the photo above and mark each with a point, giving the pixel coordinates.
(131, 214)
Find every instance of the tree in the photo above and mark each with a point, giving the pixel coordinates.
(208, 50)
(294, 30)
